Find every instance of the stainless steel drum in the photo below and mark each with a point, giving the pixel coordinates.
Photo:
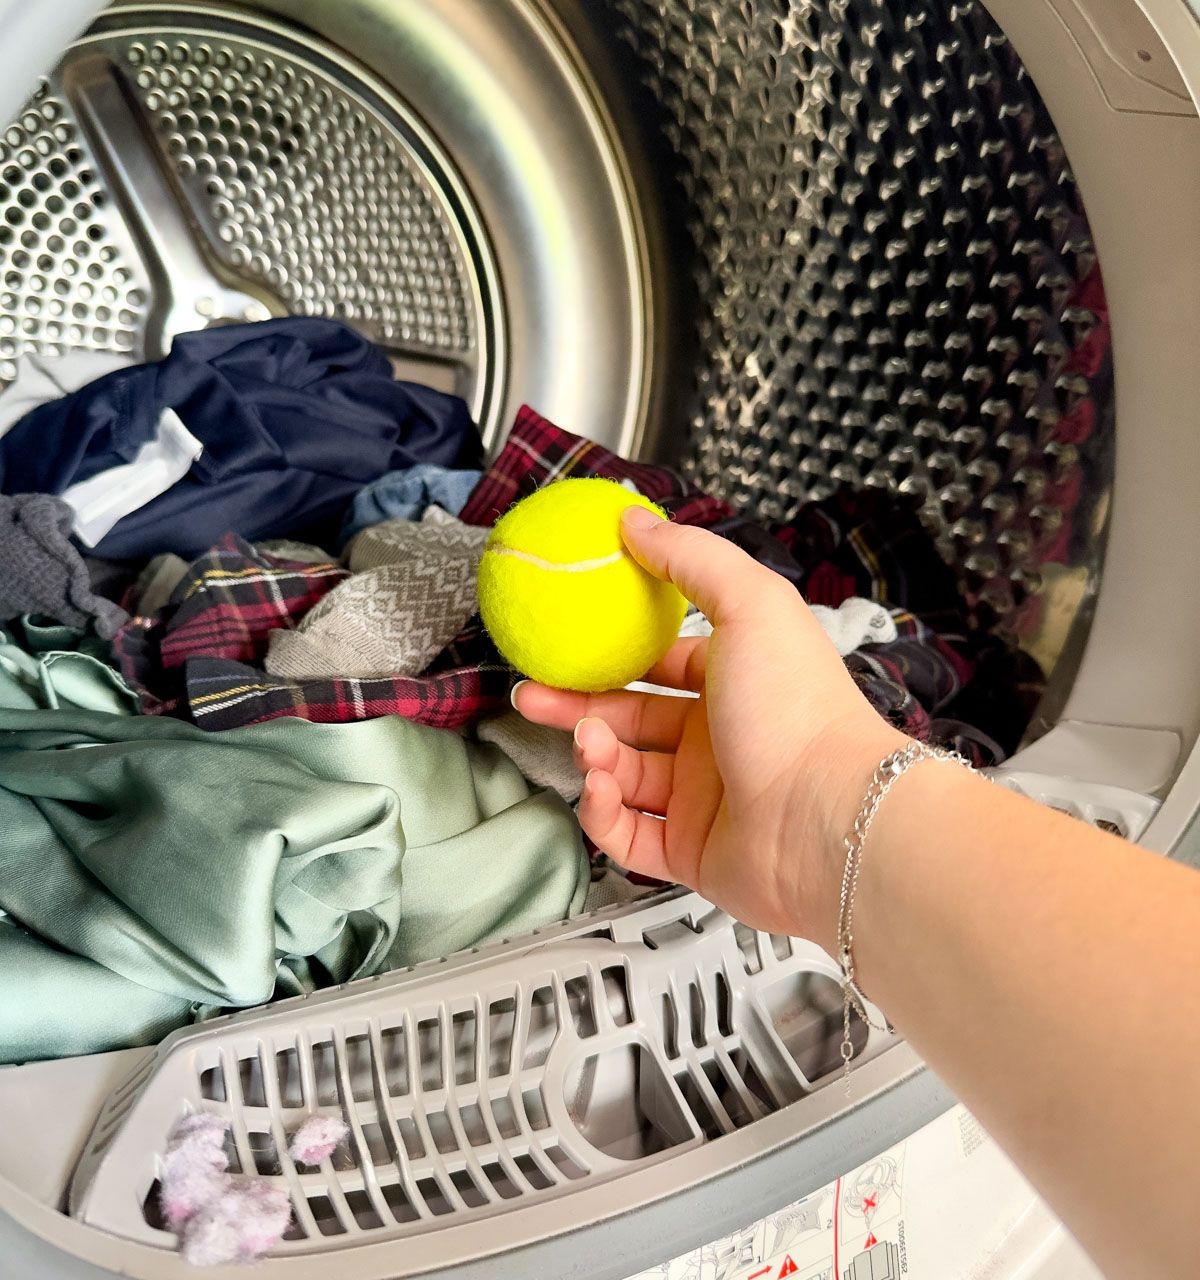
(858, 217)
(895, 282)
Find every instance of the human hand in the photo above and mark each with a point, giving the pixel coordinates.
(747, 792)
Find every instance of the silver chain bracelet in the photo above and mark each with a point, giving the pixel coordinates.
(889, 770)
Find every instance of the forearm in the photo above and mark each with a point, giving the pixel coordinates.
(1050, 973)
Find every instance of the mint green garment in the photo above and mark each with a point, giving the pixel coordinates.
(45, 664)
(150, 870)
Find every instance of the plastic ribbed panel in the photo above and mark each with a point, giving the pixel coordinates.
(1114, 809)
(496, 1080)
(896, 279)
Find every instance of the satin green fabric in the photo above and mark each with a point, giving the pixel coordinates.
(45, 664)
(150, 870)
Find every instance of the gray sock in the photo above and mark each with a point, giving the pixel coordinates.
(411, 593)
(43, 572)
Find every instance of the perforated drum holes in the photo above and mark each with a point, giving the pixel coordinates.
(67, 282)
(303, 184)
(896, 279)
(307, 189)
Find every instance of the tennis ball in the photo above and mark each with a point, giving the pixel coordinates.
(564, 601)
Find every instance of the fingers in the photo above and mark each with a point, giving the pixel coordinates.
(640, 719)
(635, 840)
(682, 666)
(717, 577)
(644, 777)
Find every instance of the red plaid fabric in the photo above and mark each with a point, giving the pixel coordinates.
(225, 607)
(911, 679)
(537, 452)
(224, 695)
(195, 659)
(871, 543)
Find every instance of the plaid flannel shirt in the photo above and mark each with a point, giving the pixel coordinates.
(197, 657)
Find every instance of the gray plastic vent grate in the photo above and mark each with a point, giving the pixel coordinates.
(470, 1088)
(1117, 810)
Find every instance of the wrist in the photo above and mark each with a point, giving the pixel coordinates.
(906, 841)
(829, 790)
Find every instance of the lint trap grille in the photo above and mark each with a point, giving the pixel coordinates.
(474, 1089)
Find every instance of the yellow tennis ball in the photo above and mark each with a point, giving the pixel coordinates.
(564, 601)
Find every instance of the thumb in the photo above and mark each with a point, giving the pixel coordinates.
(717, 577)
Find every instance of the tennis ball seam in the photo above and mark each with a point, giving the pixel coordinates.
(558, 566)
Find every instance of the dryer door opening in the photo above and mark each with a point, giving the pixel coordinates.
(783, 247)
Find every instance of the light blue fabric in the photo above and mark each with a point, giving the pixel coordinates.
(405, 495)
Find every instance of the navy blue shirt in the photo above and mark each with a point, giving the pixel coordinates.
(295, 416)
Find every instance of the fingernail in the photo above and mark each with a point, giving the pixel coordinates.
(575, 735)
(640, 518)
(587, 778)
(512, 696)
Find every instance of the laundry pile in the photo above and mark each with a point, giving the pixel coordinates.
(253, 737)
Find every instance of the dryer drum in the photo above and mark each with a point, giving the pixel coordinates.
(782, 246)
(863, 230)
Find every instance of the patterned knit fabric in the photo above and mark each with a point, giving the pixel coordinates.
(433, 540)
(412, 592)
